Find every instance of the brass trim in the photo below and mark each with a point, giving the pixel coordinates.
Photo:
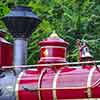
(53, 47)
(52, 57)
(17, 85)
(41, 89)
(54, 35)
(89, 92)
(54, 84)
(39, 82)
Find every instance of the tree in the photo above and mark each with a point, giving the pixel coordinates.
(72, 19)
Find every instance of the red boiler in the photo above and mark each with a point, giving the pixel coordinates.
(57, 82)
(66, 83)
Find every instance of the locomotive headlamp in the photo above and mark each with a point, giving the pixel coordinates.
(21, 21)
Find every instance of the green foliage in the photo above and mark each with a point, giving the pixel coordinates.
(72, 19)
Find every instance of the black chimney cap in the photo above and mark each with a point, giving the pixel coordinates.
(21, 21)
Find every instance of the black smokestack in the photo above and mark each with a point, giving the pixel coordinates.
(21, 22)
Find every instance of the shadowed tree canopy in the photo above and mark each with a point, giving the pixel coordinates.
(71, 19)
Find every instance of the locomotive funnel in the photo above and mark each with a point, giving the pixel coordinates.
(21, 22)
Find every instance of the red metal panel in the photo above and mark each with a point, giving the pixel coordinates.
(46, 83)
(73, 82)
(53, 52)
(6, 54)
(96, 84)
(27, 80)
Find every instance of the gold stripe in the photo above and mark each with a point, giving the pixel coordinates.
(89, 92)
(17, 85)
(39, 82)
(52, 58)
(54, 84)
(53, 47)
(41, 89)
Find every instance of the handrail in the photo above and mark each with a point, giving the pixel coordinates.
(54, 64)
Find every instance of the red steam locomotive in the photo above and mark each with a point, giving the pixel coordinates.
(53, 78)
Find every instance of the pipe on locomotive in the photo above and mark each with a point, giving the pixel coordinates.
(21, 22)
(20, 44)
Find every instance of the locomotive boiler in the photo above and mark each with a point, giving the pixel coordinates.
(53, 77)
(58, 82)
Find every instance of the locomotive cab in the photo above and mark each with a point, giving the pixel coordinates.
(7, 77)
